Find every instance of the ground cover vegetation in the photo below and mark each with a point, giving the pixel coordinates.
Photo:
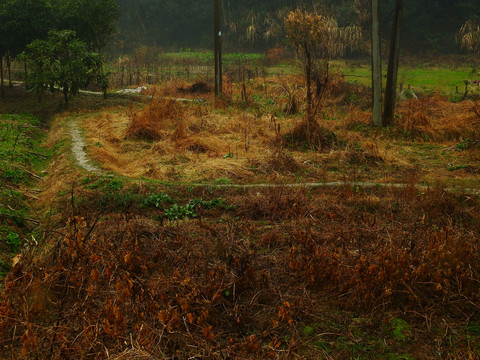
(21, 157)
(220, 228)
(144, 262)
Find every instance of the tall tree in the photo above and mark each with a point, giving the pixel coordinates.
(22, 21)
(62, 60)
(3, 46)
(217, 33)
(393, 61)
(376, 67)
(94, 21)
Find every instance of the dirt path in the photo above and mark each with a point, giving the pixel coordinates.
(78, 149)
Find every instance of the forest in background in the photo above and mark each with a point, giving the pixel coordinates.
(430, 26)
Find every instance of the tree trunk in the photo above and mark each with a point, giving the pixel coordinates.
(65, 93)
(376, 67)
(26, 75)
(391, 88)
(218, 47)
(2, 85)
(9, 68)
(308, 75)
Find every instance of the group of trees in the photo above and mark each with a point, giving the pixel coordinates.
(316, 39)
(38, 29)
(429, 25)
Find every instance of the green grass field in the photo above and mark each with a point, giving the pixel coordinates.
(423, 77)
(442, 78)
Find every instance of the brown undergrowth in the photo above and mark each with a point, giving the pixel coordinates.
(434, 118)
(244, 283)
(251, 140)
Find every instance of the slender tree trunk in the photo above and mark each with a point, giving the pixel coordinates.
(65, 92)
(376, 67)
(218, 47)
(391, 88)
(26, 75)
(2, 85)
(308, 75)
(9, 68)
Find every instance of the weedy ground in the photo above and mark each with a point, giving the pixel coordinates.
(143, 262)
(250, 138)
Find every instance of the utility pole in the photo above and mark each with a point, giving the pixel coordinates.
(218, 47)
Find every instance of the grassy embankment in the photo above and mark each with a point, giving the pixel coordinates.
(21, 157)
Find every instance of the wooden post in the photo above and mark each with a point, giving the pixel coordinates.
(218, 47)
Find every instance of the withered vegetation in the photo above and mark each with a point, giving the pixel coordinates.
(129, 267)
(244, 282)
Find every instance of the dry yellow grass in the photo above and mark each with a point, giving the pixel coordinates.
(199, 142)
(209, 146)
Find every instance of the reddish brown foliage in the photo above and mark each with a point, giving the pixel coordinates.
(238, 288)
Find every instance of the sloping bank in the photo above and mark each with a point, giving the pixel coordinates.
(21, 159)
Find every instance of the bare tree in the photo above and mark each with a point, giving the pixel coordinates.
(392, 73)
(218, 46)
(2, 85)
(376, 67)
(316, 39)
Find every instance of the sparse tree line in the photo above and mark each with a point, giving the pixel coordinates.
(59, 41)
(428, 25)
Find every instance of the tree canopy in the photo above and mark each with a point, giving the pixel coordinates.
(23, 21)
(62, 60)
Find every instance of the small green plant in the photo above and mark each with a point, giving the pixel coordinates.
(400, 329)
(468, 144)
(473, 328)
(187, 211)
(177, 212)
(158, 200)
(308, 331)
(456, 167)
(13, 241)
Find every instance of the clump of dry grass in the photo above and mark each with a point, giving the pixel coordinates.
(356, 116)
(437, 119)
(282, 162)
(202, 143)
(149, 124)
(310, 135)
